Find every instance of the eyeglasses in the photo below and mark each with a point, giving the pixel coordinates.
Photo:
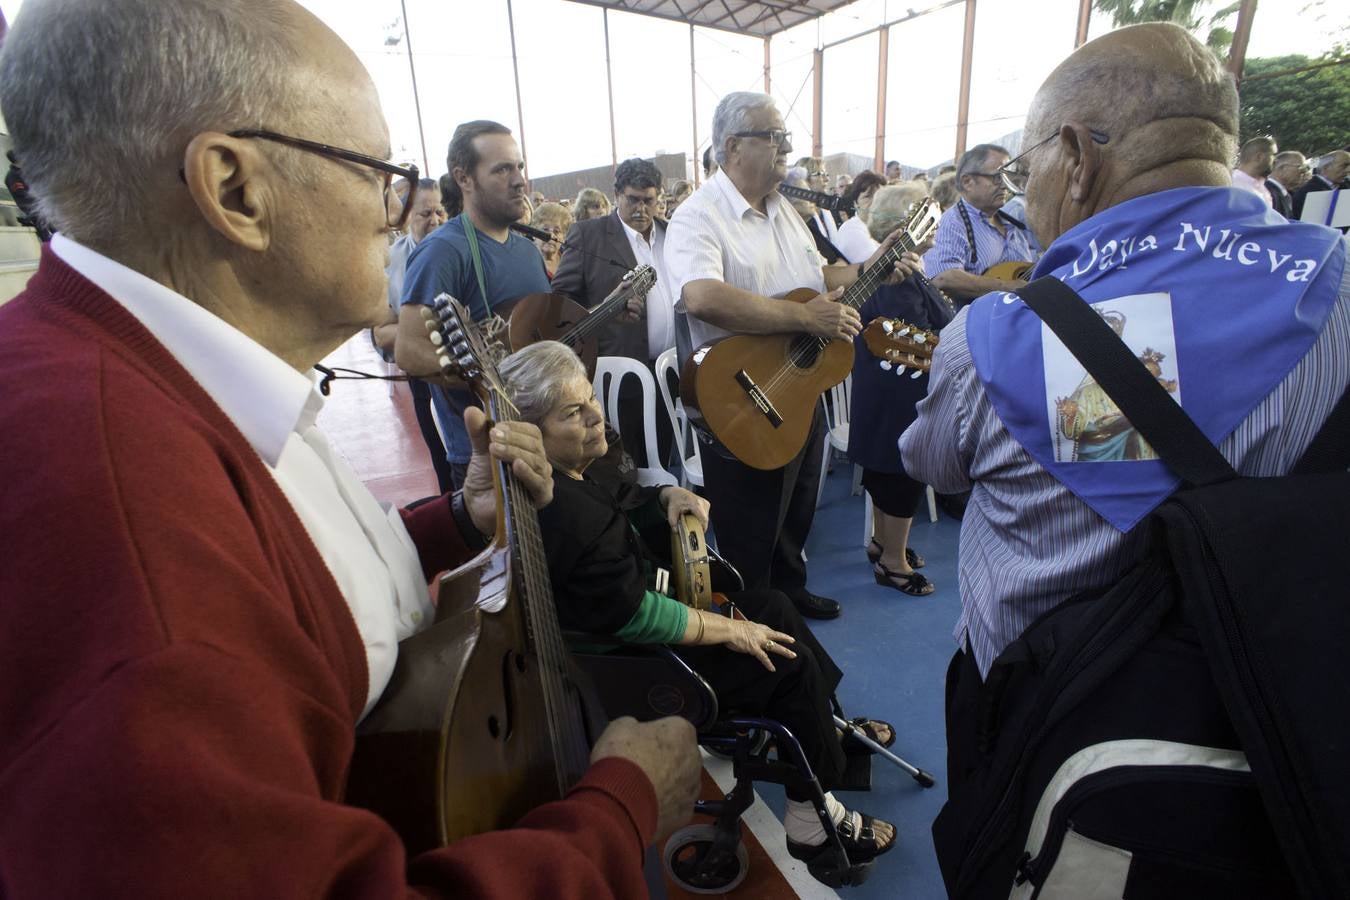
(651, 203)
(1016, 170)
(388, 169)
(781, 138)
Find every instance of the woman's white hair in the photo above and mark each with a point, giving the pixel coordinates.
(536, 375)
(103, 96)
(891, 206)
(733, 115)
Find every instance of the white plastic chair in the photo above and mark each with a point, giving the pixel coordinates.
(686, 442)
(837, 404)
(867, 513)
(609, 372)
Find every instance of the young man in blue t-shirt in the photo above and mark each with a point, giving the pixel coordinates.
(485, 162)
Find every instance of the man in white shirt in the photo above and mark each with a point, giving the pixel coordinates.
(732, 248)
(1256, 160)
(596, 255)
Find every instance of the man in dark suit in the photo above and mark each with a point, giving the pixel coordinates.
(1331, 174)
(1290, 172)
(633, 236)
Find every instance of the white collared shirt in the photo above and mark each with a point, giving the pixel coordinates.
(660, 306)
(716, 234)
(365, 545)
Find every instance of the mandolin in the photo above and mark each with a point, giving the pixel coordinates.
(557, 317)
(485, 716)
(900, 345)
(757, 393)
(1013, 270)
(831, 202)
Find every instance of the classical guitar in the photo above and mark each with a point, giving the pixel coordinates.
(557, 317)
(485, 716)
(757, 393)
(832, 202)
(900, 346)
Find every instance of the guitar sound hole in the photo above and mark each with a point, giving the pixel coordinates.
(805, 350)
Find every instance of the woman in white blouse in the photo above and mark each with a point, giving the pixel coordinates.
(853, 240)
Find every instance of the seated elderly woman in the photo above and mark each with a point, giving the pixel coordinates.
(883, 405)
(766, 665)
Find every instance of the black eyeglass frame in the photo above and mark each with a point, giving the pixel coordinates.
(768, 135)
(410, 173)
(1009, 172)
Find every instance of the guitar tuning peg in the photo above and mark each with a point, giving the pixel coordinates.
(916, 373)
(436, 337)
(920, 339)
(887, 326)
(904, 331)
(899, 369)
(885, 365)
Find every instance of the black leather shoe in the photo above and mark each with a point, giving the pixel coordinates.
(815, 607)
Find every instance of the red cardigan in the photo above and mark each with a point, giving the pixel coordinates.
(179, 676)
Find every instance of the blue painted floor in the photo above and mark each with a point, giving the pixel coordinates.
(894, 650)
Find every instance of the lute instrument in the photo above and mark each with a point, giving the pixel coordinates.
(757, 393)
(1012, 270)
(486, 715)
(557, 317)
(900, 346)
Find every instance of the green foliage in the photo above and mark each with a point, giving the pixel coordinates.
(1185, 13)
(1306, 111)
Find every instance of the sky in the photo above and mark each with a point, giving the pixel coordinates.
(461, 53)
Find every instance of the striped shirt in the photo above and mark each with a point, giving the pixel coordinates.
(716, 234)
(1027, 543)
(951, 244)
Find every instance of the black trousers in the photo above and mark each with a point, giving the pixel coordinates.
(895, 495)
(963, 689)
(797, 694)
(426, 423)
(761, 519)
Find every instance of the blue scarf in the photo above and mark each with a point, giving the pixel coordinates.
(1215, 292)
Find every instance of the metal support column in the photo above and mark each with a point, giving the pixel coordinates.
(609, 82)
(1237, 53)
(817, 102)
(967, 57)
(515, 70)
(1084, 17)
(883, 57)
(693, 109)
(417, 100)
(766, 64)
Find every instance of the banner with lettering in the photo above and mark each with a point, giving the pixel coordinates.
(1214, 292)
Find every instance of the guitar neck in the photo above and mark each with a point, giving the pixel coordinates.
(825, 201)
(610, 307)
(857, 293)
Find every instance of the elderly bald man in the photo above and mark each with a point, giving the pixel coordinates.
(200, 598)
(1129, 190)
(1332, 173)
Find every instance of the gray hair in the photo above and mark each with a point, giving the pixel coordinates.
(535, 375)
(102, 97)
(974, 159)
(890, 208)
(733, 115)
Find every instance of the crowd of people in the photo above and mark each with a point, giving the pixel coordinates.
(203, 602)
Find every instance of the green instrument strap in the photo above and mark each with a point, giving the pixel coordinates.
(472, 235)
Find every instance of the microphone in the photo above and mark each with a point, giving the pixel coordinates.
(541, 235)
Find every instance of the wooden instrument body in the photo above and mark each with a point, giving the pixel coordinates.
(691, 568)
(792, 379)
(1013, 270)
(550, 317)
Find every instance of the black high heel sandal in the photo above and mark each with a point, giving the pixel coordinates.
(912, 583)
(915, 561)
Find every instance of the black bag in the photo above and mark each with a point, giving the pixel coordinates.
(1185, 732)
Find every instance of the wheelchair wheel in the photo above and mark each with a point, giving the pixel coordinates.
(686, 859)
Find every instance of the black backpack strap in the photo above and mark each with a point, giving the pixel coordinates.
(1176, 439)
(1330, 449)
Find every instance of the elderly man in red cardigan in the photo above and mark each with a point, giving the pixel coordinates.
(199, 599)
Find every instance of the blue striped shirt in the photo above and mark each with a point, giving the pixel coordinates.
(951, 244)
(1027, 543)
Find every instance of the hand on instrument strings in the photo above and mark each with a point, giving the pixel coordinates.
(758, 641)
(830, 319)
(667, 751)
(632, 311)
(677, 501)
(517, 443)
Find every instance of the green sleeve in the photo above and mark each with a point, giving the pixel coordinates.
(658, 620)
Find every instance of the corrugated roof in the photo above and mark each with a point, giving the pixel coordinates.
(758, 18)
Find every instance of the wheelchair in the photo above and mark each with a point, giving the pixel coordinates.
(651, 682)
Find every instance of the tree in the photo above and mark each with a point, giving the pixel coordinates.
(1305, 111)
(1185, 13)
